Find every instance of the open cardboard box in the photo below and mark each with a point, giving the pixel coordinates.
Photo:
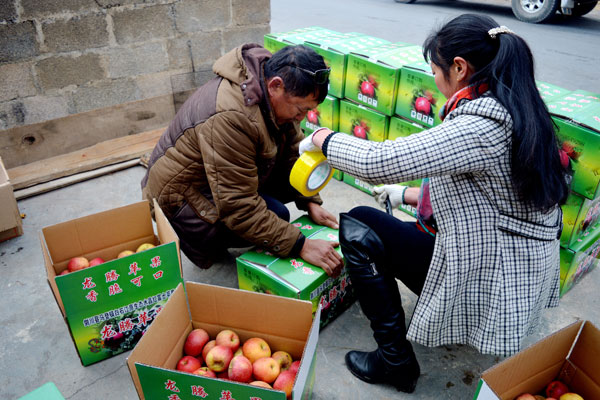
(571, 355)
(10, 220)
(286, 324)
(120, 297)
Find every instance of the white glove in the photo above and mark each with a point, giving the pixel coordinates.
(307, 143)
(394, 192)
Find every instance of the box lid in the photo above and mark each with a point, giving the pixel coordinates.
(549, 91)
(355, 42)
(580, 106)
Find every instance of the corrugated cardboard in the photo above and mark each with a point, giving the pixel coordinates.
(10, 220)
(286, 324)
(571, 355)
(121, 296)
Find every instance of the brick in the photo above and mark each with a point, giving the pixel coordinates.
(139, 25)
(137, 60)
(17, 81)
(118, 3)
(153, 85)
(78, 33)
(180, 53)
(18, 42)
(104, 94)
(8, 11)
(236, 37)
(31, 110)
(194, 15)
(45, 8)
(59, 72)
(206, 48)
(254, 12)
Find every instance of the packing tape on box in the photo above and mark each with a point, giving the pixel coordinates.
(310, 173)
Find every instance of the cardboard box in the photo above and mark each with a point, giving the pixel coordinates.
(401, 127)
(581, 220)
(549, 91)
(363, 122)
(335, 52)
(327, 114)
(372, 75)
(338, 175)
(571, 355)
(419, 99)
(358, 183)
(286, 324)
(577, 115)
(109, 307)
(277, 41)
(261, 271)
(575, 264)
(11, 225)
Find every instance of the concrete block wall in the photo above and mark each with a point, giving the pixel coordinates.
(60, 57)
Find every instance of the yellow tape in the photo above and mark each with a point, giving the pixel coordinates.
(310, 173)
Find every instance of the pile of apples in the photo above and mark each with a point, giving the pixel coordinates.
(78, 263)
(249, 362)
(556, 390)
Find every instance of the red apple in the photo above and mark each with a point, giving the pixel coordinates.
(207, 348)
(218, 358)
(295, 366)
(255, 348)
(261, 384)
(312, 116)
(205, 371)
(422, 105)
(359, 132)
(240, 369)
(265, 369)
(525, 396)
(195, 341)
(66, 271)
(188, 364)
(570, 396)
(285, 383)
(556, 389)
(223, 375)
(96, 261)
(229, 339)
(144, 247)
(125, 253)
(77, 263)
(367, 88)
(284, 359)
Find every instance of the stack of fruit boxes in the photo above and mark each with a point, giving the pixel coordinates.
(577, 118)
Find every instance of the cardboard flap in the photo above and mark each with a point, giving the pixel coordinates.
(240, 309)
(156, 347)
(51, 274)
(585, 360)
(94, 232)
(531, 366)
(309, 349)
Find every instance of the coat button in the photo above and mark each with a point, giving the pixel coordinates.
(203, 213)
(276, 248)
(244, 86)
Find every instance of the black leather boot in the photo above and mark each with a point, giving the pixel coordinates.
(394, 361)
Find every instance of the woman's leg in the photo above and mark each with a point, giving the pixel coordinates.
(369, 259)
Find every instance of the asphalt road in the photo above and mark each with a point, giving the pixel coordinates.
(566, 51)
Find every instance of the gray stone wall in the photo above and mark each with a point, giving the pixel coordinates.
(60, 57)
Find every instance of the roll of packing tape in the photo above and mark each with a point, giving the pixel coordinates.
(310, 173)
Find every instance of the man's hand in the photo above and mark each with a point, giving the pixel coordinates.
(322, 254)
(321, 216)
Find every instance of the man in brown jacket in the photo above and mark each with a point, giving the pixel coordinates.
(221, 170)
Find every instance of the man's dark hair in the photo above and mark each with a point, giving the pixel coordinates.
(296, 81)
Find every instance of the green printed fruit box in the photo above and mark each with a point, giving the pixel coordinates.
(372, 75)
(419, 99)
(358, 183)
(549, 91)
(327, 114)
(263, 272)
(47, 391)
(577, 115)
(277, 41)
(400, 127)
(285, 324)
(575, 264)
(577, 234)
(335, 52)
(363, 122)
(108, 307)
(338, 175)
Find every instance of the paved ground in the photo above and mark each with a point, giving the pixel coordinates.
(36, 346)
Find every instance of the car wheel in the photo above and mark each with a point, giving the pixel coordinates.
(405, 1)
(583, 8)
(534, 10)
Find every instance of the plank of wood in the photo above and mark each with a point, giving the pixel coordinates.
(35, 142)
(93, 157)
(72, 179)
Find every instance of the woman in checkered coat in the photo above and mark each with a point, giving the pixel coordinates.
(495, 185)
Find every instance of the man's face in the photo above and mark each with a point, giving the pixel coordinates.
(288, 108)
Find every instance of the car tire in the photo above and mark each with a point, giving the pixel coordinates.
(581, 9)
(534, 11)
(405, 1)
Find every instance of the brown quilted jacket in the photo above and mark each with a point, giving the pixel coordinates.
(222, 147)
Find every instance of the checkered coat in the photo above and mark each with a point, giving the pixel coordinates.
(495, 264)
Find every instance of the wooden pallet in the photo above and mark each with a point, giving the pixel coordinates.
(104, 157)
